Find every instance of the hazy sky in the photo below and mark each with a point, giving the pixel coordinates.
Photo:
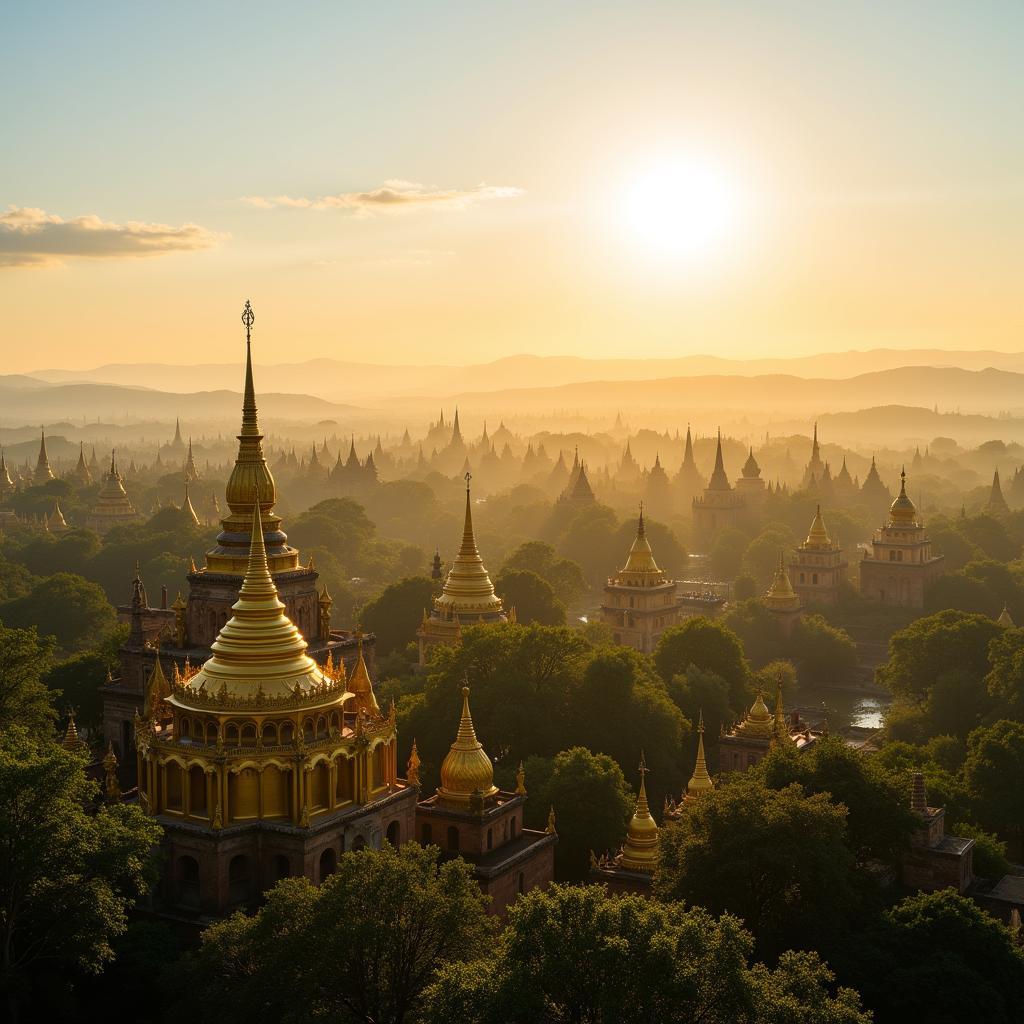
(452, 182)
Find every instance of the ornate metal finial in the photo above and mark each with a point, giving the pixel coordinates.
(248, 318)
(643, 769)
(467, 478)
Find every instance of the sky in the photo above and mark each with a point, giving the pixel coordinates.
(455, 182)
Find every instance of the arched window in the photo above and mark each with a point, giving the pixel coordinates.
(188, 882)
(321, 728)
(270, 735)
(287, 733)
(249, 734)
(328, 863)
(239, 879)
(453, 838)
(173, 777)
(320, 787)
(394, 834)
(345, 784)
(197, 791)
(231, 735)
(426, 834)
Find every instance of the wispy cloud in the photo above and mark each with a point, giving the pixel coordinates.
(31, 237)
(393, 196)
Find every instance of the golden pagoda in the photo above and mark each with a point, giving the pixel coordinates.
(470, 816)
(900, 567)
(112, 508)
(640, 601)
(56, 521)
(700, 781)
(6, 483)
(261, 743)
(467, 597)
(818, 569)
(466, 769)
(640, 850)
(81, 474)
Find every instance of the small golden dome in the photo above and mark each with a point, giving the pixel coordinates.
(640, 569)
(781, 596)
(640, 850)
(759, 720)
(466, 769)
(903, 512)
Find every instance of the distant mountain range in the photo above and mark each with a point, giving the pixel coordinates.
(39, 402)
(361, 383)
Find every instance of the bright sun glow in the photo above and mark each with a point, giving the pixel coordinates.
(685, 209)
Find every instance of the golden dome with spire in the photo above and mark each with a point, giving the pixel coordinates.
(259, 650)
(468, 587)
(466, 769)
(903, 512)
(781, 596)
(817, 536)
(700, 781)
(360, 683)
(759, 721)
(640, 570)
(640, 850)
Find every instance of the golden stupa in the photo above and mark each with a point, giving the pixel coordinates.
(466, 770)
(113, 507)
(640, 570)
(903, 512)
(781, 596)
(700, 781)
(817, 536)
(640, 850)
(758, 721)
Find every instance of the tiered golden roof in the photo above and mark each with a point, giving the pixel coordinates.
(468, 588)
(259, 650)
(360, 683)
(466, 769)
(781, 596)
(903, 512)
(759, 721)
(700, 782)
(640, 570)
(640, 850)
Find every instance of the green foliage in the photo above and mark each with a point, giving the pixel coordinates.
(1005, 681)
(74, 610)
(576, 955)
(592, 802)
(775, 858)
(726, 555)
(67, 877)
(948, 961)
(532, 597)
(565, 576)
(24, 699)
(710, 646)
(698, 692)
(386, 922)
(395, 614)
(761, 557)
(879, 822)
(989, 859)
(822, 651)
(744, 588)
(992, 773)
(78, 679)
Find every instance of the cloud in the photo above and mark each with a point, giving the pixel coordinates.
(393, 196)
(31, 237)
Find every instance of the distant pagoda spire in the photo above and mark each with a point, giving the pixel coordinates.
(42, 473)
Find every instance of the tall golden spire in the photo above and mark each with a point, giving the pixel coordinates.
(250, 482)
(781, 595)
(700, 781)
(259, 649)
(640, 850)
(468, 585)
(360, 683)
(719, 481)
(72, 741)
(466, 769)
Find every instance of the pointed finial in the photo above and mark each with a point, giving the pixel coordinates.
(551, 822)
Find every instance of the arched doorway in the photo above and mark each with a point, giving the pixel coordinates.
(328, 863)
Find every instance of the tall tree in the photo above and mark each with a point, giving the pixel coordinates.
(532, 597)
(67, 877)
(24, 698)
(775, 858)
(992, 774)
(712, 647)
(395, 614)
(361, 947)
(75, 610)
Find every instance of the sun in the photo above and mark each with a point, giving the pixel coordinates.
(685, 209)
